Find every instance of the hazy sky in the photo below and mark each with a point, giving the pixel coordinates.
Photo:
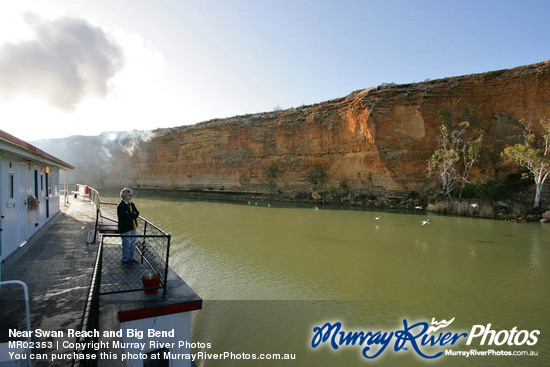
(85, 66)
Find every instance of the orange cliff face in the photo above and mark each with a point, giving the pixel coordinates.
(378, 139)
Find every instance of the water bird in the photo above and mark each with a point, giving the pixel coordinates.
(425, 222)
(180, 203)
(255, 203)
(249, 202)
(316, 208)
(474, 205)
(418, 207)
(378, 218)
(268, 205)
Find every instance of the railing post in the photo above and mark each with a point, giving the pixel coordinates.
(96, 222)
(144, 239)
(166, 267)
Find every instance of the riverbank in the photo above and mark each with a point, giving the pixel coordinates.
(517, 207)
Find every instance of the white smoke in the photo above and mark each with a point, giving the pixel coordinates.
(68, 60)
(126, 141)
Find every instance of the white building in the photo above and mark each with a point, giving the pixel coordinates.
(30, 185)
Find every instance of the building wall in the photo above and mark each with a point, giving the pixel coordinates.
(21, 216)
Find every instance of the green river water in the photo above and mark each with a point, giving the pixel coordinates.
(270, 275)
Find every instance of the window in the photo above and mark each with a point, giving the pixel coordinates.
(48, 185)
(11, 186)
(36, 184)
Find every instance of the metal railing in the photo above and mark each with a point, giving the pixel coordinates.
(110, 275)
(152, 247)
(90, 318)
(101, 208)
(27, 315)
(153, 257)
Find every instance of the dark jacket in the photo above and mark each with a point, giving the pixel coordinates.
(126, 218)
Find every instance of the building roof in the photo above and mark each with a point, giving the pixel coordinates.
(25, 150)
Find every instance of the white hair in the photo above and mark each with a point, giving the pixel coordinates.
(125, 192)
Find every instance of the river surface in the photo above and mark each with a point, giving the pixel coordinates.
(270, 275)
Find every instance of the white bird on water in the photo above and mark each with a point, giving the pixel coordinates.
(425, 222)
(378, 218)
(474, 205)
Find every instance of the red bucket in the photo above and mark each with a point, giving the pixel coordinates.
(151, 281)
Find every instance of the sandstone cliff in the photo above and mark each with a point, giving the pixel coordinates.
(378, 139)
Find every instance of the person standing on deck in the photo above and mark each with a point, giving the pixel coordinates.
(127, 214)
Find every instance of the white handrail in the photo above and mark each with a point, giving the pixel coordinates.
(28, 314)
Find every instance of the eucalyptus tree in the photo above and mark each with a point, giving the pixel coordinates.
(458, 150)
(533, 154)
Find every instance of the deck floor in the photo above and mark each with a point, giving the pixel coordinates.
(56, 264)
